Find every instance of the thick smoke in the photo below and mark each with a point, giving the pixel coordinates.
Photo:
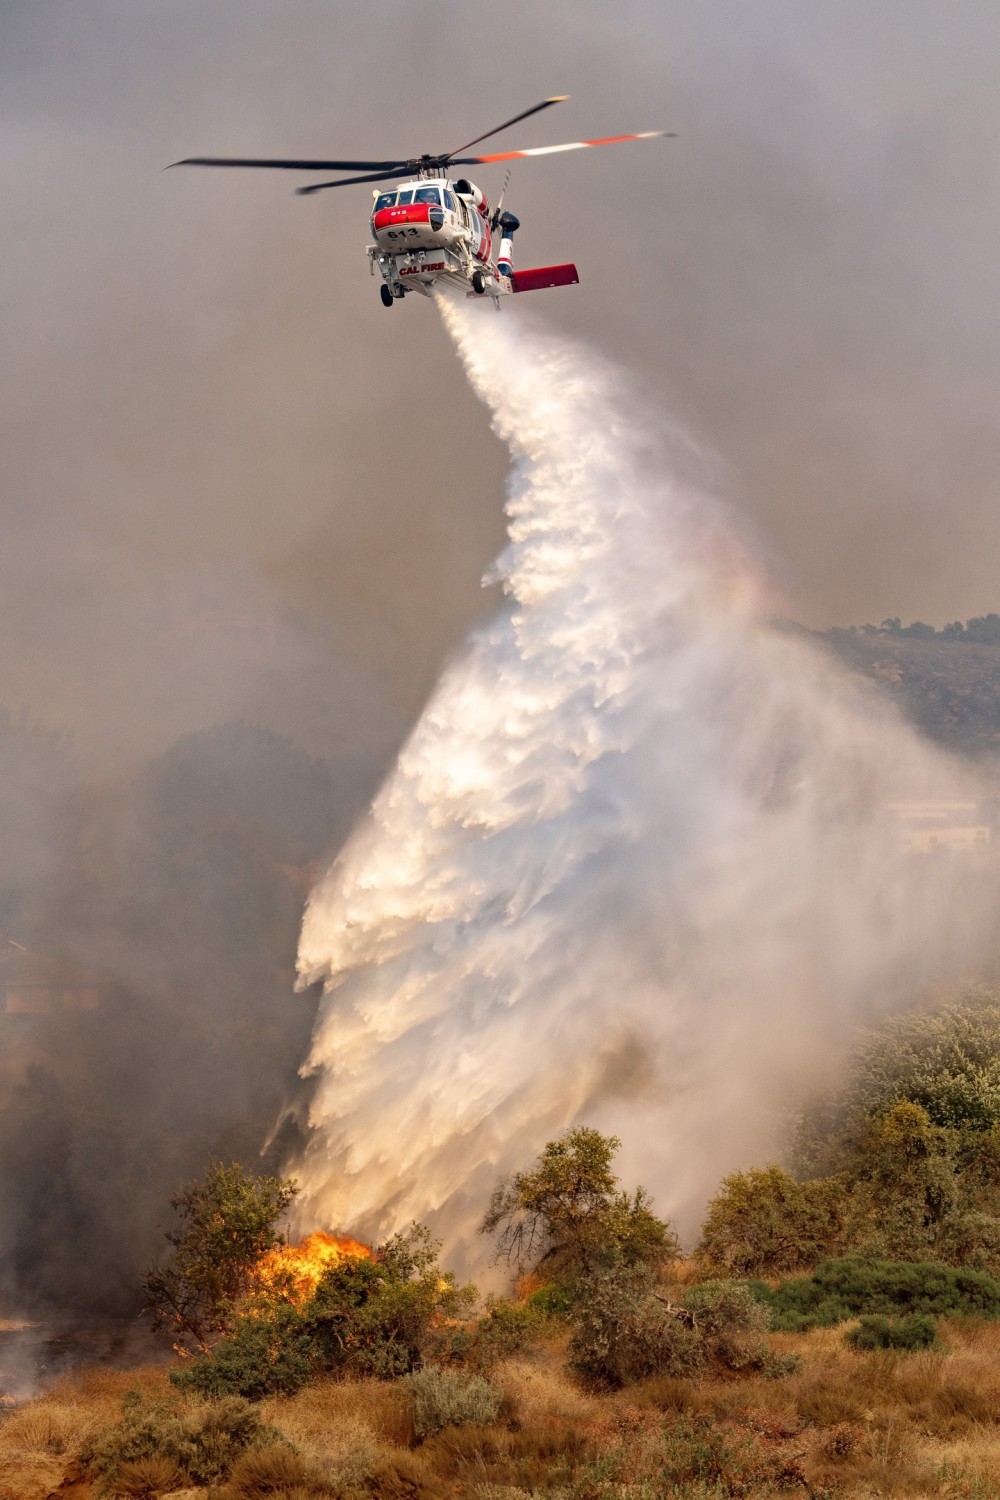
(634, 866)
(148, 1022)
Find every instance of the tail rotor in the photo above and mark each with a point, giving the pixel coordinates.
(494, 222)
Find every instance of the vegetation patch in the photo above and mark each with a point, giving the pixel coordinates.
(625, 1330)
(900, 1162)
(448, 1398)
(915, 1331)
(851, 1286)
(505, 1329)
(200, 1441)
(378, 1316)
(765, 1222)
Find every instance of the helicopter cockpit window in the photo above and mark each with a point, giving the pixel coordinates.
(405, 197)
(384, 200)
(449, 200)
(427, 195)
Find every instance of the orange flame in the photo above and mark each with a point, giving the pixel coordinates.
(299, 1267)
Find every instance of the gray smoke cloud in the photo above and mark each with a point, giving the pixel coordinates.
(636, 864)
(236, 490)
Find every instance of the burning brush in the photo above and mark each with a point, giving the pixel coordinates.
(296, 1270)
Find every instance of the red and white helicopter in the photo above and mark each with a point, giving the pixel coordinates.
(432, 228)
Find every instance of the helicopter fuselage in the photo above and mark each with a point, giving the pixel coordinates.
(431, 230)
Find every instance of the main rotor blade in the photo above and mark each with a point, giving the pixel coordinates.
(556, 99)
(317, 187)
(608, 140)
(288, 165)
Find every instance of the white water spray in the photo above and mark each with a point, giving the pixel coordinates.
(632, 868)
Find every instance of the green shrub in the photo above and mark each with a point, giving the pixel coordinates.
(505, 1328)
(906, 1190)
(449, 1398)
(626, 1329)
(972, 1239)
(853, 1285)
(267, 1353)
(203, 1441)
(914, 1331)
(551, 1301)
(801, 1304)
(377, 1317)
(623, 1331)
(731, 1323)
(947, 1061)
(913, 1138)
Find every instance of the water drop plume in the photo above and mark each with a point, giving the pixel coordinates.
(633, 867)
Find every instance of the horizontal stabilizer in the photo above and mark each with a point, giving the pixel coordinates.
(540, 277)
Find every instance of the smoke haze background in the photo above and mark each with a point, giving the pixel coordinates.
(235, 489)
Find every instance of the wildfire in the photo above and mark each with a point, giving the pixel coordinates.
(300, 1267)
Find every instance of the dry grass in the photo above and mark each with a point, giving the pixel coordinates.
(850, 1424)
(346, 1432)
(38, 1439)
(523, 1458)
(687, 1271)
(147, 1477)
(969, 1468)
(311, 1414)
(270, 1470)
(540, 1387)
(406, 1476)
(860, 1424)
(344, 1425)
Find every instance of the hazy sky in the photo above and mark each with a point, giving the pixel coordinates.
(233, 483)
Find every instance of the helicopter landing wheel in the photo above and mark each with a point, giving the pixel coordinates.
(478, 283)
(387, 298)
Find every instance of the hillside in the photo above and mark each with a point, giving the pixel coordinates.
(949, 688)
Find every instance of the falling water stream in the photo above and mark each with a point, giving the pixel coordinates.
(634, 866)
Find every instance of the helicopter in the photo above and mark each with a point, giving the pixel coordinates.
(431, 229)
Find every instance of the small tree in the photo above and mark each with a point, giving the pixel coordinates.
(624, 1330)
(763, 1222)
(731, 1324)
(227, 1223)
(568, 1216)
(906, 1197)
